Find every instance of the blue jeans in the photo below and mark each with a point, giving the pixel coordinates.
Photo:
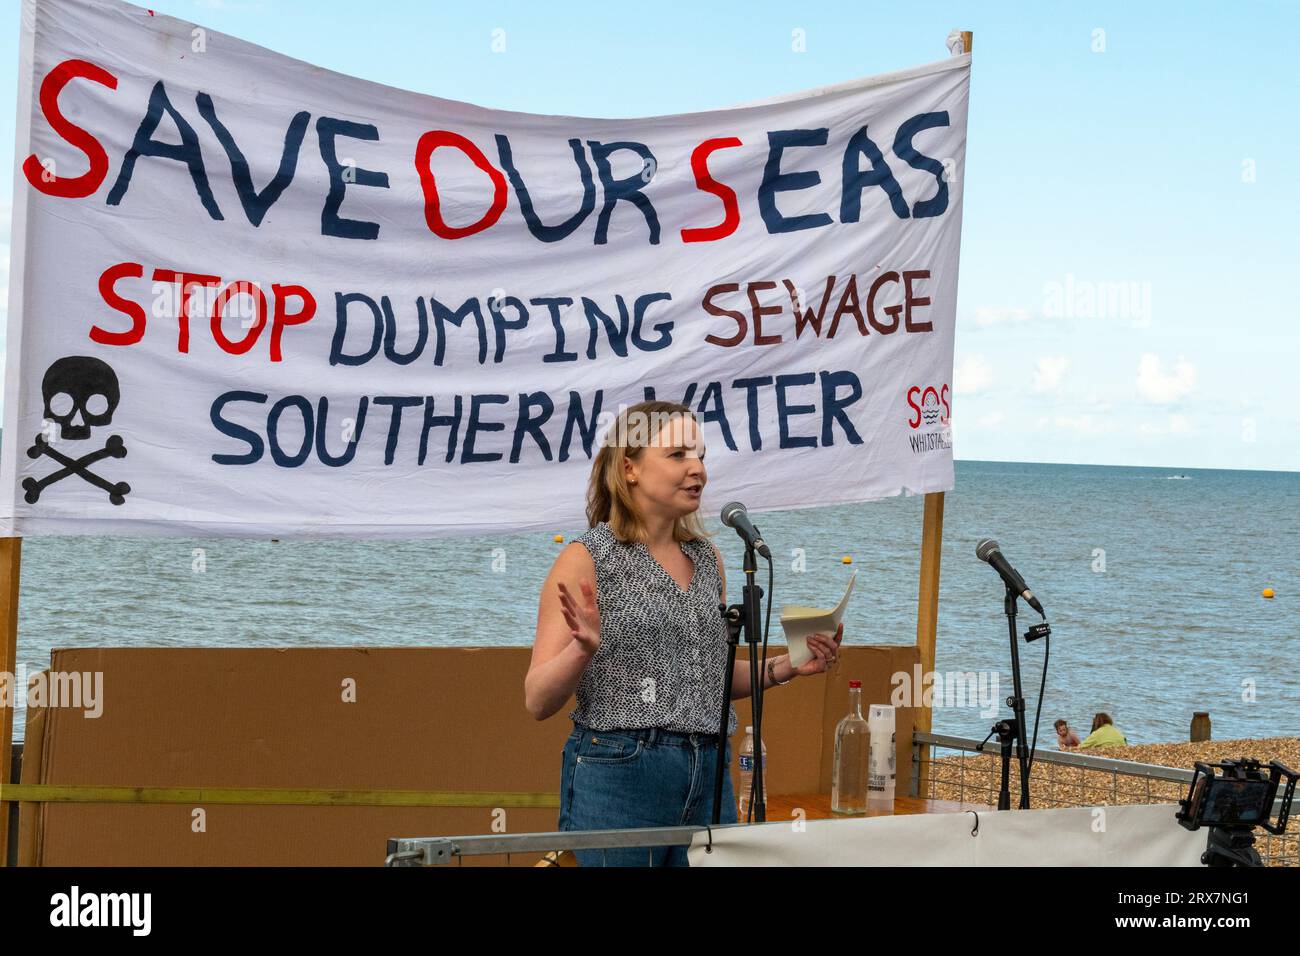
(640, 778)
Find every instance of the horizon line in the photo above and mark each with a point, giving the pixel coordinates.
(1091, 464)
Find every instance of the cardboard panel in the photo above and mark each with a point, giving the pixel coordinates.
(422, 719)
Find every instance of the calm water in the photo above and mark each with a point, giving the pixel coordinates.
(1174, 623)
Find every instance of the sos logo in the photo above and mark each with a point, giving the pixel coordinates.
(929, 405)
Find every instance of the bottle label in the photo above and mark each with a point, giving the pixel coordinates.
(747, 763)
(881, 767)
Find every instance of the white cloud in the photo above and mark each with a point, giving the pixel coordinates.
(1084, 425)
(1156, 386)
(971, 376)
(991, 421)
(1049, 372)
(986, 315)
(1175, 425)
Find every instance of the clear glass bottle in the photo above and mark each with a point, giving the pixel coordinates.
(852, 756)
(743, 814)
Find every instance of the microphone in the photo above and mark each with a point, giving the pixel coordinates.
(987, 550)
(735, 516)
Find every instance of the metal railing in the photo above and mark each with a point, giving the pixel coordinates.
(432, 851)
(968, 775)
(1062, 779)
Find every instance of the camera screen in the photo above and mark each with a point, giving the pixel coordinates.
(1236, 802)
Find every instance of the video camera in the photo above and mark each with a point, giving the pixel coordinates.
(1232, 804)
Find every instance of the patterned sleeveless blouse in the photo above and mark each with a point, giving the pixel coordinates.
(662, 650)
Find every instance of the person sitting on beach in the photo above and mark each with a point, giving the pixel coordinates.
(1104, 734)
(1066, 739)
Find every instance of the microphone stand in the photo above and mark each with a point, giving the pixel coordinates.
(744, 615)
(1013, 729)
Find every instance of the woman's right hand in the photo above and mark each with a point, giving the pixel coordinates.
(582, 617)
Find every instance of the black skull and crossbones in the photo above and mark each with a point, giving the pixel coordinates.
(90, 385)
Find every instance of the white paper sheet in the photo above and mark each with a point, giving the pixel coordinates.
(800, 622)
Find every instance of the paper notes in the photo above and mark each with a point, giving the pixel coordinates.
(799, 622)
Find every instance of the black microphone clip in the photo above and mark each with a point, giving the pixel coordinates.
(1038, 630)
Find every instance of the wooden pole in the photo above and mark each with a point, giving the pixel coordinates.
(927, 603)
(927, 617)
(927, 610)
(11, 552)
(11, 548)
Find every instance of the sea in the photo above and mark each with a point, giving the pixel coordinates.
(1152, 580)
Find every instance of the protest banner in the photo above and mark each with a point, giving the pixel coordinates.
(252, 296)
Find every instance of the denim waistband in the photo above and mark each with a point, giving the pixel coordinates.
(658, 735)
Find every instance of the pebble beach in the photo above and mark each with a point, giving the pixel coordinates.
(1053, 785)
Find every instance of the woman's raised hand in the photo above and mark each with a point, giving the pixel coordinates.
(582, 617)
(825, 650)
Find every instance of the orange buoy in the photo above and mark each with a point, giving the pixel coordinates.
(559, 538)
(1267, 592)
(846, 560)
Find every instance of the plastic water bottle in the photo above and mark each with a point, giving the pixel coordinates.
(747, 775)
(880, 778)
(849, 782)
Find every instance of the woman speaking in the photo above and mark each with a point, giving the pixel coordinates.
(628, 622)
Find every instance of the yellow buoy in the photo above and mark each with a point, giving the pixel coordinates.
(559, 538)
(846, 560)
(1267, 592)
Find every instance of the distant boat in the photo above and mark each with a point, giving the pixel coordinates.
(1179, 477)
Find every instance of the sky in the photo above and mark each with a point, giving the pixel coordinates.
(1129, 263)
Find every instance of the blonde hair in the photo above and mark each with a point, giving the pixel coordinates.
(608, 496)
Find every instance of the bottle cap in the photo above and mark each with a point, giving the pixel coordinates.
(855, 683)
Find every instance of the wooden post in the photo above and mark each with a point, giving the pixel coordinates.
(1200, 726)
(927, 617)
(927, 602)
(11, 551)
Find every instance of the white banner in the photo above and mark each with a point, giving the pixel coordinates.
(252, 296)
(1074, 836)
